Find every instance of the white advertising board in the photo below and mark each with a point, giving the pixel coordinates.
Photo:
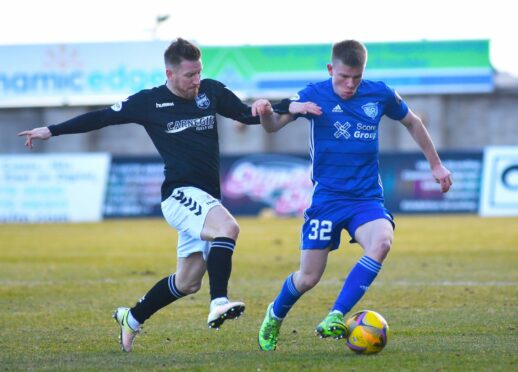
(499, 191)
(52, 187)
(78, 74)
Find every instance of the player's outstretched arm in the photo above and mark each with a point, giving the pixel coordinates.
(305, 108)
(42, 133)
(415, 126)
(270, 120)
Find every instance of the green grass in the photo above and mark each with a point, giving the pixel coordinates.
(449, 291)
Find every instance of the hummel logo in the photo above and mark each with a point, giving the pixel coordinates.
(188, 203)
(337, 108)
(165, 104)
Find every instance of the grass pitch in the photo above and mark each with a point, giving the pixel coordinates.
(449, 290)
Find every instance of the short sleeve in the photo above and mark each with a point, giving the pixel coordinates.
(396, 108)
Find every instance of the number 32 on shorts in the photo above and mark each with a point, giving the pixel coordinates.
(320, 230)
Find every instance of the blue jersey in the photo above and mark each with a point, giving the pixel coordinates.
(344, 139)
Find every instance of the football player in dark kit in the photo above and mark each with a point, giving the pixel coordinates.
(180, 119)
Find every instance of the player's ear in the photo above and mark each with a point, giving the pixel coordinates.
(330, 69)
(168, 73)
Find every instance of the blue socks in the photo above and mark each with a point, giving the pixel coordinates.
(286, 298)
(356, 284)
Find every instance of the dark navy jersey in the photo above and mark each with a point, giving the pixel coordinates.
(344, 139)
(183, 131)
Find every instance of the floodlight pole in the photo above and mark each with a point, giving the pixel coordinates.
(158, 21)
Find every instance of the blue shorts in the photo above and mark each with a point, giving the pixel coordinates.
(325, 219)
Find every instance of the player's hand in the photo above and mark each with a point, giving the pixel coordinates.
(305, 108)
(262, 107)
(42, 133)
(442, 176)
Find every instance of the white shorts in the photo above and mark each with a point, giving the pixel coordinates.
(186, 210)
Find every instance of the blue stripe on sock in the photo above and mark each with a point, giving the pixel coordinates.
(286, 298)
(356, 284)
(291, 287)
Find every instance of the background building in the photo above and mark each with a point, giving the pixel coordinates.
(465, 104)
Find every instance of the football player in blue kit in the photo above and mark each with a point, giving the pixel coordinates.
(180, 119)
(344, 113)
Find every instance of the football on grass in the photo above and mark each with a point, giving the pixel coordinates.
(367, 332)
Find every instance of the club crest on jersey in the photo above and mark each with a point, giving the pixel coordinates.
(118, 106)
(202, 101)
(371, 109)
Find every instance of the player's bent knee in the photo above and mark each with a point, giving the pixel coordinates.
(234, 230)
(385, 245)
(306, 282)
(190, 288)
(381, 249)
(229, 230)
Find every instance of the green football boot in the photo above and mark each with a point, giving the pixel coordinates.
(332, 326)
(269, 331)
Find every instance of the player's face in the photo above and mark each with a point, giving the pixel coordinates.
(345, 79)
(184, 79)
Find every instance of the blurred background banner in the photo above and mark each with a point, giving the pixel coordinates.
(104, 73)
(90, 187)
(133, 188)
(279, 184)
(53, 187)
(410, 188)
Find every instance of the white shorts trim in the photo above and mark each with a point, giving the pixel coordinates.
(186, 210)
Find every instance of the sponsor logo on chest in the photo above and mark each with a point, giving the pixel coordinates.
(203, 123)
(341, 130)
(364, 132)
